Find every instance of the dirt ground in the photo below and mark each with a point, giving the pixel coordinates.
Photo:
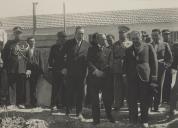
(59, 120)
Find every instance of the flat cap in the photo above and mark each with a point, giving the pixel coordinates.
(17, 29)
(123, 29)
(61, 34)
(166, 31)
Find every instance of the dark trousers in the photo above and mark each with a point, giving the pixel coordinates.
(138, 91)
(98, 85)
(120, 90)
(33, 82)
(75, 93)
(174, 93)
(19, 80)
(157, 94)
(58, 91)
(167, 85)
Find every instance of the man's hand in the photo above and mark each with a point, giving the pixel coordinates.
(173, 71)
(64, 71)
(28, 73)
(98, 73)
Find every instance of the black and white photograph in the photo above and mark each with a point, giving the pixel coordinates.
(88, 63)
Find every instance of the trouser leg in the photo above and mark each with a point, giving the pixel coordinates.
(33, 83)
(174, 95)
(167, 85)
(132, 100)
(157, 94)
(55, 89)
(145, 99)
(95, 104)
(118, 90)
(107, 93)
(20, 89)
(79, 97)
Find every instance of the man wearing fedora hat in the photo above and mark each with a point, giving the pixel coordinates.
(56, 63)
(14, 56)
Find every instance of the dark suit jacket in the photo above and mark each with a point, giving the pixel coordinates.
(142, 63)
(35, 63)
(56, 58)
(99, 59)
(76, 57)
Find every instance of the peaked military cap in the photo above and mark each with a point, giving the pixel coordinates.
(17, 29)
(123, 29)
(166, 31)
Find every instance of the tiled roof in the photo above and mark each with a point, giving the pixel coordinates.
(141, 16)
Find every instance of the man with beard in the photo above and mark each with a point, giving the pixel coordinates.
(141, 71)
(75, 70)
(164, 57)
(56, 62)
(15, 56)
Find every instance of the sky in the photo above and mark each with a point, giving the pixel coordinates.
(9, 8)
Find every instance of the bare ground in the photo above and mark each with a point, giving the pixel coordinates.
(59, 120)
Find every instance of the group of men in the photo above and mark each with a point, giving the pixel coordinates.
(136, 68)
(21, 63)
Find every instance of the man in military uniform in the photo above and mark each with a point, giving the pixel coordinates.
(166, 34)
(164, 56)
(15, 59)
(56, 63)
(119, 48)
(75, 69)
(141, 71)
(99, 77)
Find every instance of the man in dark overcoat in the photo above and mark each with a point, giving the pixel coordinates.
(75, 70)
(56, 62)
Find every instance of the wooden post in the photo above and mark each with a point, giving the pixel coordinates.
(34, 17)
(64, 15)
